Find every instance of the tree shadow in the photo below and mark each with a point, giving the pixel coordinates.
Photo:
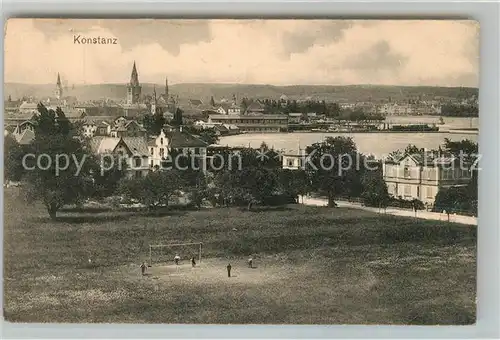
(83, 218)
(160, 213)
(267, 208)
(94, 210)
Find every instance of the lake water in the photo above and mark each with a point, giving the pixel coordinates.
(379, 144)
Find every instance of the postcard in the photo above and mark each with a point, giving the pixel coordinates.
(204, 171)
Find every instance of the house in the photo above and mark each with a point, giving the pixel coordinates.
(89, 109)
(28, 108)
(25, 125)
(127, 128)
(421, 176)
(133, 150)
(294, 117)
(228, 109)
(255, 108)
(253, 123)
(25, 137)
(161, 146)
(292, 160)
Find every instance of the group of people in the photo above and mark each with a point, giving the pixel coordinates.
(177, 260)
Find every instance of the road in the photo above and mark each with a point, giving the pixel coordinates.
(428, 215)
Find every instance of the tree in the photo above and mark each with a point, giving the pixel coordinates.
(12, 159)
(69, 183)
(154, 123)
(153, 190)
(209, 136)
(454, 199)
(375, 192)
(332, 166)
(293, 182)
(177, 121)
(464, 149)
(108, 171)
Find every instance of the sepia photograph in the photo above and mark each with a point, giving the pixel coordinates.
(241, 171)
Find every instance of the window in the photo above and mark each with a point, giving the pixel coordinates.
(138, 174)
(407, 172)
(161, 141)
(162, 152)
(152, 151)
(418, 192)
(290, 162)
(465, 173)
(407, 191)
(138, 161)
(196, 151)
(429, 174)
(429, 192)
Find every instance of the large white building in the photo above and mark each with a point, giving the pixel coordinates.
(421, 176)
(162, 145)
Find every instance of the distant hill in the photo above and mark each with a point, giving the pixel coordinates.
(218, 91)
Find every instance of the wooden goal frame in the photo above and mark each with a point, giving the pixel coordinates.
(172, 245)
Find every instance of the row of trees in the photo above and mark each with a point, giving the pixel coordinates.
(335, 169)
(454, 110)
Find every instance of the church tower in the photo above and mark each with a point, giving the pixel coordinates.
(59, 89)
(154, 104)
(166, 88)
(133, 88)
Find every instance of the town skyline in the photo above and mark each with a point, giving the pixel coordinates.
(289, 52)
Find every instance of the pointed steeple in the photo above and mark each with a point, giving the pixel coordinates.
(134, 77)
(166, 88)
(59, 89)
(154, 93)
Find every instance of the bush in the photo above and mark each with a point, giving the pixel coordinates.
(279, 199)
(407, 204)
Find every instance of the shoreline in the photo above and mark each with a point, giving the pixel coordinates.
(451, 131)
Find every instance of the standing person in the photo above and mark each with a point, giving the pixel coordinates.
(177, 258)
(143, 268)
(228, 270)
(250, 262)
(193, 262)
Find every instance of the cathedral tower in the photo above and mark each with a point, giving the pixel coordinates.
(59, 89)
(133, 88)
(166, 88)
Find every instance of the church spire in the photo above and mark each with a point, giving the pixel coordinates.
(133, 88)
(59, 89)
(166, 88)
(134, 78)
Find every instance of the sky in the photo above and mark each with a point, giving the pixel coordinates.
(277, 52)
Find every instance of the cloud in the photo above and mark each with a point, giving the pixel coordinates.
(314, 32)
(378, 57)
(443, 53)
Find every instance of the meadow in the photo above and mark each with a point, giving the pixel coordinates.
(314, 265)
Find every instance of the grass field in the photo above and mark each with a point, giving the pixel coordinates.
(314, 266)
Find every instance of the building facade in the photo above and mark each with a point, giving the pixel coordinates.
(422, 176)
(253, 123)
(161, 146)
